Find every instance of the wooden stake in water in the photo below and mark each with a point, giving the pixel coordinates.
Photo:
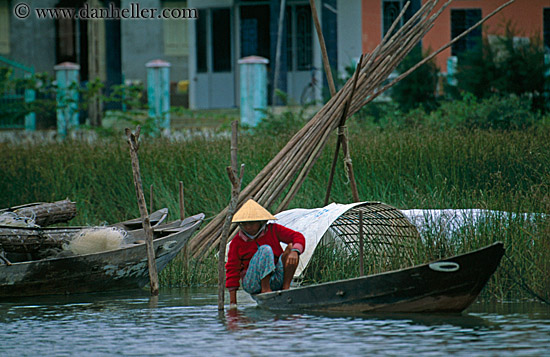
(235, 191)
(133, 142)
(151, 198)
(182, 203)
(361, 243)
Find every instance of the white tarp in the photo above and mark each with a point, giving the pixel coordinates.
(314, 223)
(449, 221)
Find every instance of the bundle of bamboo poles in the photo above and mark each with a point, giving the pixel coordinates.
(291, 165)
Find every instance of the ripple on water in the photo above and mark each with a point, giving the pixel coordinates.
(187, 322)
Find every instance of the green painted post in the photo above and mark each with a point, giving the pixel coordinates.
(67, 76)
(452, 64)
(30, 119)
(253, 89)
(158, 94)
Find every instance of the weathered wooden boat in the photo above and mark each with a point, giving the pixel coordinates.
(118, 269)
(447, 285)
(36, 241)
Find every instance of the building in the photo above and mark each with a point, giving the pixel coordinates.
(204, 49)
(228, 30)
(530, 18)
(120, 47)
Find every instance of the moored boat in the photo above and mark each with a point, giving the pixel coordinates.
(117, 269)
(37, 241)
(447, 285)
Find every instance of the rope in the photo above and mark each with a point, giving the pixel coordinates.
(16, 220)
(343, 130)
(522, 282)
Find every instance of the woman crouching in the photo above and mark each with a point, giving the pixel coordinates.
(255, 255)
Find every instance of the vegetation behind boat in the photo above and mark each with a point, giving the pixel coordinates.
(416, 167)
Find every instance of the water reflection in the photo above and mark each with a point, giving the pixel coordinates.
(187, 322)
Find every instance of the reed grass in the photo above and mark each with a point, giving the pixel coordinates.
(406, 168)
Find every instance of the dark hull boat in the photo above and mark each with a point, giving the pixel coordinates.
(447, 285)
(117, 269)
(34, 240)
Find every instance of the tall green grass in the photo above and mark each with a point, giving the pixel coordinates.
(407, 168)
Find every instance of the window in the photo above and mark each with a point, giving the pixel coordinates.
(299, 38)
(175, 32)
(461, 20)
(4, 27)
(303, 37)
(255, 39)
(201, 42)
(213, 36)
(546, 34)
(221, 40)
(390, 12)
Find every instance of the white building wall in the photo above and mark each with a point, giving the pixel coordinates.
(349, 33)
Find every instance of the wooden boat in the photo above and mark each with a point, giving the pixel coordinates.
(117, 269)
(38, 240)
(448, 285)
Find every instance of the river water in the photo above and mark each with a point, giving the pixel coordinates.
(186, 322)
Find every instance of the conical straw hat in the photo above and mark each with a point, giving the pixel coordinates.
(252, 211)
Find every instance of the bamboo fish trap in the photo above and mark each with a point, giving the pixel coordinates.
(286, 172)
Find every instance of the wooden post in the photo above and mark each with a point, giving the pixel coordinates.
(361, 243)
(341, 137)
(348, 163)
(235, 191)
(182, 203)
(133, 142)
(151, 198)
(342, 140)
(326, 64)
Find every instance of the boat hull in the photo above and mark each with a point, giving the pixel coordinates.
(118, 269)
(448, 285)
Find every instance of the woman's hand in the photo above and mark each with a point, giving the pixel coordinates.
(292, 258)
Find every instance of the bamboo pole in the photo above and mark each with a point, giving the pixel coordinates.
(326, 63)
(292, 164)
(342, 136)
(235, 190)
(133, 142)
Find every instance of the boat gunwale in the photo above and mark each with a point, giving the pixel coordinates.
(266, 296)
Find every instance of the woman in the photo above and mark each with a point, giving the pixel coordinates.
(255, 254)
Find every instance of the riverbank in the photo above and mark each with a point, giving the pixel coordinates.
(407, 168)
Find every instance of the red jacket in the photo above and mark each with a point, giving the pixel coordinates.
(241, 250)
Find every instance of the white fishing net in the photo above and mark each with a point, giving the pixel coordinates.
(96, 239)
(13, 219)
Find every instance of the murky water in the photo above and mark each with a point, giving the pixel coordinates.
(187, 323)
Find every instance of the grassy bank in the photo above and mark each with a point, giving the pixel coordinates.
(410, 168)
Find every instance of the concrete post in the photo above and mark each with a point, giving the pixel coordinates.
(253, 85)
(452, 63)
(67, 77)
(158, 94)
(30, 119)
